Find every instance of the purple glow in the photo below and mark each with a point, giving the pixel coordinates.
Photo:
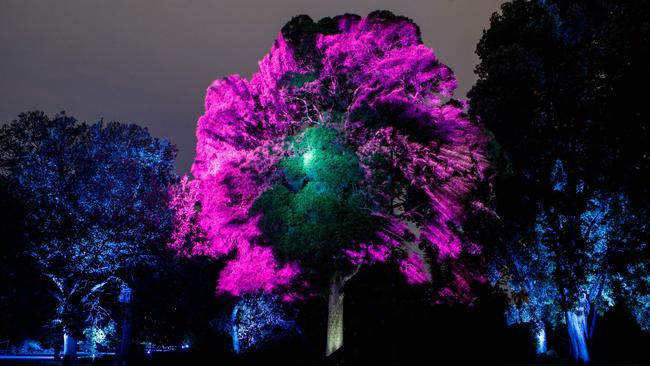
(367, 70)
(414, 269)
(255, 270)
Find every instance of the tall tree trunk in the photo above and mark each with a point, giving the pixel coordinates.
(577, 326)
(122, 354)
(335, 310)
(594, 300)
(69, 348)
(539, 332)
(592, 321)
(335, 315)
(125, 341)
(234, 329)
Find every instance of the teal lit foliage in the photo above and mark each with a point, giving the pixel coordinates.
(637, 293)
(99, 338)
(630, 262)
(317, 208)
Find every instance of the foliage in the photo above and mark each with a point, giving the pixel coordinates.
(560, 86)
(98, 338)
(344, 148)
(318, 211)
(95, 203)
(259, 322)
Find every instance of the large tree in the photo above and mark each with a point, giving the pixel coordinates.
(343, 149)
(95, 198)
(562, 87)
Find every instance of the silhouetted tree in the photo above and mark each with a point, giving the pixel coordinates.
(562, 87)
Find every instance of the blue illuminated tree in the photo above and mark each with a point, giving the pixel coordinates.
(536, 270)
(96, 203)
(562, 86)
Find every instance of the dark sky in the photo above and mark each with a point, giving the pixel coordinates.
(150, 61)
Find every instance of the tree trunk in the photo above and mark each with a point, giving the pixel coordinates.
(125, 341)
(594, 299)
(234, 329)
(69, 348)
(577, 327)
(122, 354)
(540, 338)
(592, 322)
(335, 315)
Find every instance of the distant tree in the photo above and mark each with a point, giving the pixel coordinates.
(344, 149)
(562, 87)
(95, 198)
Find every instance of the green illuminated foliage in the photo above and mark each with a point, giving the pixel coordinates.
(318, 209)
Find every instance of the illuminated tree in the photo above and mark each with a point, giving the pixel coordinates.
(257, 322)
(96, 202)
(528, 269)
(562, 86)
(344, 149)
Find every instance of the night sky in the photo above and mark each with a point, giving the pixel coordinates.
(150, 61)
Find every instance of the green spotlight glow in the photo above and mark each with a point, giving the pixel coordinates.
(307, 158)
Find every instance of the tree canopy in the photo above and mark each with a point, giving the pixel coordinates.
(345, 147)
(561, 87)
(95, 204)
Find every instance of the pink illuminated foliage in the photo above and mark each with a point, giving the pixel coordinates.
(386, 93)
(255, 269)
